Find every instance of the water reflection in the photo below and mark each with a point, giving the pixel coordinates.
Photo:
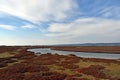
(81, 54)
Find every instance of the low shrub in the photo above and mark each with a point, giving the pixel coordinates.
(69, 66)
(94, 70)
(45, 76)
(9, 76)
(2, 64)
(22, 68)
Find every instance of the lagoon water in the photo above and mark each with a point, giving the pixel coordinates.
(80, 54)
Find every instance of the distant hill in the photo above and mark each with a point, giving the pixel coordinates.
(91, 44)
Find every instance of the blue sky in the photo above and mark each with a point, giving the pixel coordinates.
(41, 22)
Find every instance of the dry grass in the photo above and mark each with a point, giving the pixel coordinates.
(5, 55)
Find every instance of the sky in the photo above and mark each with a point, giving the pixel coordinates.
(46, 22)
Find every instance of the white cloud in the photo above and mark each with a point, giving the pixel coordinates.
(58, 28)
(7, 27)
(38, 10)
(112, 11)
(86, 27)
(28, 26)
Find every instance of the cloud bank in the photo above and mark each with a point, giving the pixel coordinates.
(38, 10)
(85, 26)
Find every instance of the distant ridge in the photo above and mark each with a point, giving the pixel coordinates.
(91, 44)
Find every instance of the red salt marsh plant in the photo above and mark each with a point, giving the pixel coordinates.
(5, 59)
(45, 59)
(45, 76)
(70, 60)
(75, 78)
(8, 48)
(3, 64)
(94, 70)
(49, 56)
(24, 55)
(9, 76)
(106, 49)
(68, 66)
(41, 62)
(22, 68)
(101, 60)
(10, 61)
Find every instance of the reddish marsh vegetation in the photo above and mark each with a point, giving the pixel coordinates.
(45, 76)
(95, 70)
(24, 65)
(8, 48)
(100, 49)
